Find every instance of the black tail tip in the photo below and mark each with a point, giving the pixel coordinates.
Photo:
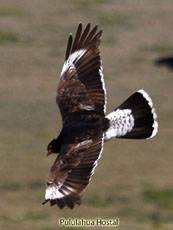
(154, 124)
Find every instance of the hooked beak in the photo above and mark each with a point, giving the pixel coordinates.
(49, 152)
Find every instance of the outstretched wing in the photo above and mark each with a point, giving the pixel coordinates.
(81, 85)
(71, 172)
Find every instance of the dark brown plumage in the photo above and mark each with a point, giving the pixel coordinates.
(81, 98)
(80, 85)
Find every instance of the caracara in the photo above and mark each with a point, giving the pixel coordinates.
(81, 98)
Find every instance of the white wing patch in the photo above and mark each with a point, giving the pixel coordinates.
(69, 63)
(53, 193)
(121, 123)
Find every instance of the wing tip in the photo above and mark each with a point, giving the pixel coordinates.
(66, 201)
(83, 39)
(80, 24)
(44, 202)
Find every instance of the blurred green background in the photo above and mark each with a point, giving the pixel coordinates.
(133, 180)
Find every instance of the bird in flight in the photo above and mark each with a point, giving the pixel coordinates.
(81, 98)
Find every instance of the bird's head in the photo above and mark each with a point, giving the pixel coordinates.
(52, 147)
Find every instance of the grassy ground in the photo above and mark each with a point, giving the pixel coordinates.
(133, 180)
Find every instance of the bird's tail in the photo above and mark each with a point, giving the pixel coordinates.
(135, 118)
